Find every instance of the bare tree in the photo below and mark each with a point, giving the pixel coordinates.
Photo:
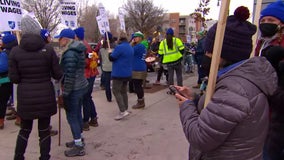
(142, 15)
(203, 8)
(46, 11)
(88, 21)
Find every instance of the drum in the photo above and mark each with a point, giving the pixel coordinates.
(150, 59)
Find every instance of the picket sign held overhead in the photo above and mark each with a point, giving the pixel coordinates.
(103, 22)
(121, 19)
(69, 13)
(255, 22)
(218, 43)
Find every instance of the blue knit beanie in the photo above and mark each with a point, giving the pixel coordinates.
(44, 33)
(80, 32)
(8, 38)
(170, 31)
(275, 9)
(109, 36)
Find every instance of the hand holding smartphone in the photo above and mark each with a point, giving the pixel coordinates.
(174, 90)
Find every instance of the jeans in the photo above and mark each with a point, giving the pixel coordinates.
(44, 138)
(119, 90)
(89, 108)
(73, 106)
(107, 77)
(178, 69)
(6, 90)
(201, 74)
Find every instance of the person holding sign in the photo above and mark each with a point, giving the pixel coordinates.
(234, 124)
(91, 71)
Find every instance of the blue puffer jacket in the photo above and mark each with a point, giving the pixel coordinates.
(73, 64)
(122, 57)
(139, 63)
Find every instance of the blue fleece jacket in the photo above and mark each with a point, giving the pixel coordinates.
(139, 63)
(122, 57)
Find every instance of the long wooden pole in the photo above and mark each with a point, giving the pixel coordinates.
(217, 50)
(256, 22)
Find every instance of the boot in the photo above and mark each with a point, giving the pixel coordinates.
(1, 123)
(140, 104)
(18, 121)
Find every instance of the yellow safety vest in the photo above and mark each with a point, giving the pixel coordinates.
(171, 55)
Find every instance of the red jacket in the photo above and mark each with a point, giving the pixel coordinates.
(90, 72)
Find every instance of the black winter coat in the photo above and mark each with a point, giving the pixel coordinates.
(32, 64)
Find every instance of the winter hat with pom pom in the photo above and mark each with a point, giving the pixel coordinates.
(237, 43)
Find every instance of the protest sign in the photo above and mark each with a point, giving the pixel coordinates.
(10, 15)
(69, 13)
(121, 19)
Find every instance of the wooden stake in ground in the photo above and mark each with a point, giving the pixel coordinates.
(255, 22)
(217, 50)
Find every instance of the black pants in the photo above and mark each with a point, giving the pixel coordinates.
(44, 138)
(138, 87)
(6, 90)
(160, 72)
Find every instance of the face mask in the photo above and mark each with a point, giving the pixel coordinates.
(268, 29)
(205, 65)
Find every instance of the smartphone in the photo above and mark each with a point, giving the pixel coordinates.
(174, 90)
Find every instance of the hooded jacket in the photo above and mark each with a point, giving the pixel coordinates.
(234, 124)
(73, 65)
(32, 64)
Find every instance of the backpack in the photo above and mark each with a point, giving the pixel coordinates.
(3, 62)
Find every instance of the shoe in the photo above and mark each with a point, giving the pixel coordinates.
(94, 122)
(53, 132)
(140, 104)
(1, 123)
(121, 115)
(86, 126)
(75, 151)
(72, 143)
(196, 86)
(11, 117)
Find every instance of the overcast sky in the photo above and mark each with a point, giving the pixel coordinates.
(185, 7)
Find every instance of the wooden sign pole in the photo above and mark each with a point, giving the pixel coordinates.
(217, 50)
(256, 22)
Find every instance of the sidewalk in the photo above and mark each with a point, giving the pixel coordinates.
(153, 133)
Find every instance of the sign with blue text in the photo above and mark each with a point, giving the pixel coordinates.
(10, 15)
(69, 13)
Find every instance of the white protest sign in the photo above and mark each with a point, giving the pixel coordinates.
(69, 13)
(10, 15)
(101, 25)
(121, 19)
(104, 18)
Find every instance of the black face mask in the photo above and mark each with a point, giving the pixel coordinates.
(205, 65)
(268, 29)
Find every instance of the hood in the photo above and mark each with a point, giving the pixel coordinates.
(77, 46)
(32, 42)
(258, 71)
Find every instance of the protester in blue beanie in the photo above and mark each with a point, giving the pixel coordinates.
(8, 38)
(45, 34)
(271, 26)
(80, 32)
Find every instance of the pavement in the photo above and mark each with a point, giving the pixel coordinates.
(153, 133)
